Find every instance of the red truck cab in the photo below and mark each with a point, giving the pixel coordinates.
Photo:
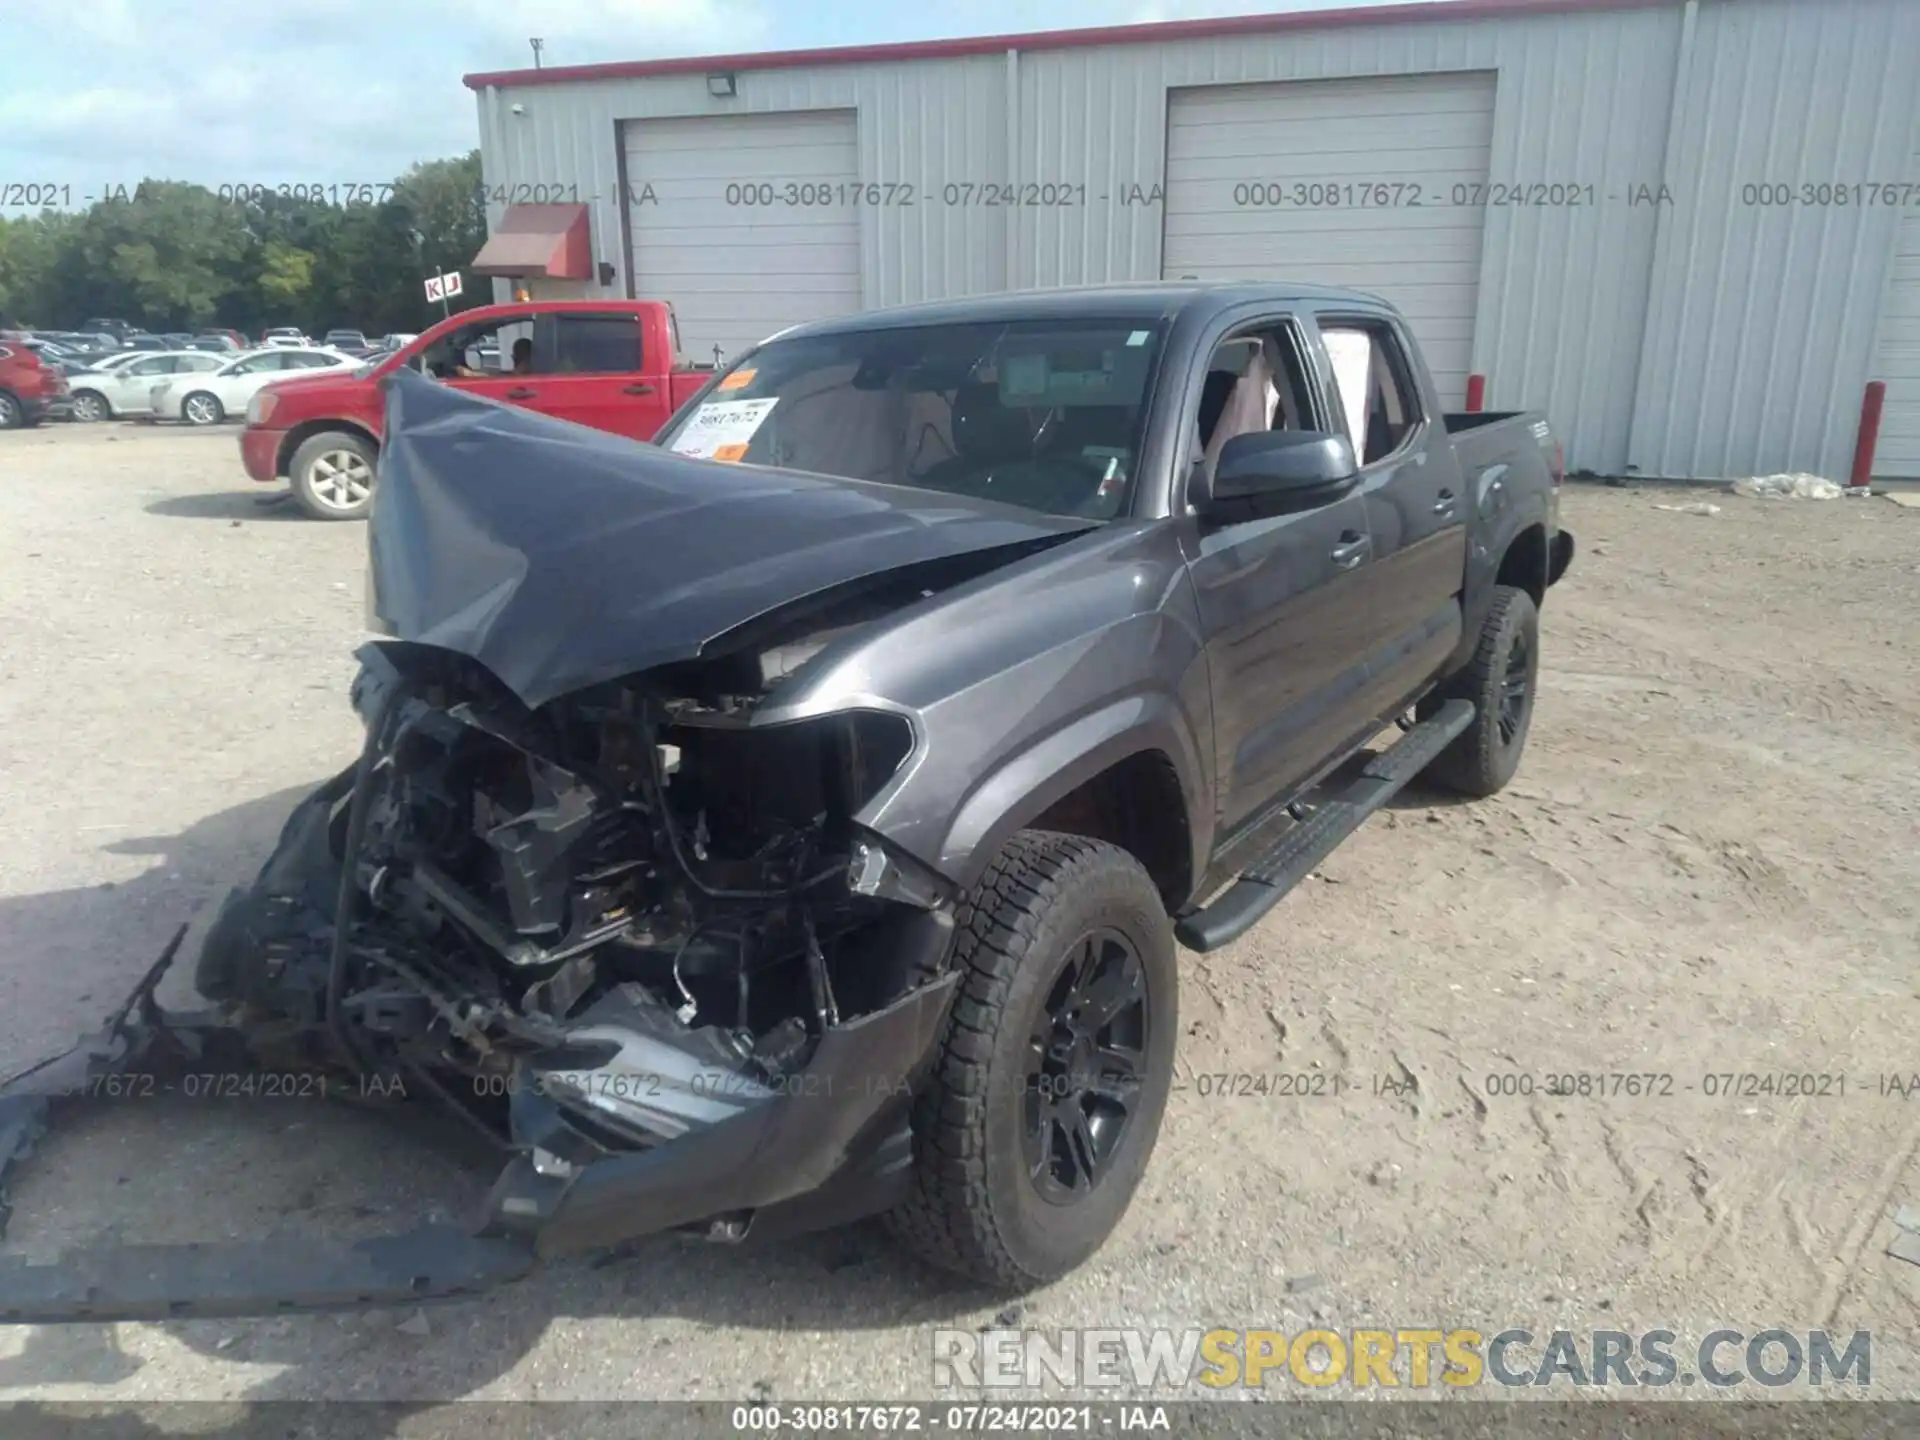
(610, 364)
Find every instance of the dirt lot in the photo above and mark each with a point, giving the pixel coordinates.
(1707, 866)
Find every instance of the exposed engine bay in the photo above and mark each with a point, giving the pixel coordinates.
(593, 926)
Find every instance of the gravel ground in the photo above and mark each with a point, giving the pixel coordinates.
(1707, 865)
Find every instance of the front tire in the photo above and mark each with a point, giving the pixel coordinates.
(1501, 681)
(90, 406)
(333, 475)
(12, 414)
(1045, 1098)
(200, 408)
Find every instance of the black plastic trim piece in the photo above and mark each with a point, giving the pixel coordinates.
(1291, 858)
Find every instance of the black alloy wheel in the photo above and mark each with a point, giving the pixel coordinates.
(1085, 1061)
(1515, 688)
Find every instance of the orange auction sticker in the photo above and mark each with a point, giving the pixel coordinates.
(739, 380)
(730, 452)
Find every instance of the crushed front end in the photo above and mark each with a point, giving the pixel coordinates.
(636, 941)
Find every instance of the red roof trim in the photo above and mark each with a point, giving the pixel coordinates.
(1154, 34)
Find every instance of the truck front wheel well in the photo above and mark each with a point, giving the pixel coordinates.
(306, 430)
(1524, 566)
(1136, 804)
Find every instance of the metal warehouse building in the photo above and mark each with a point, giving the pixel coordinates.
(1688, 230)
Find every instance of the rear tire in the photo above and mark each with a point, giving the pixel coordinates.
(200, 408)
(333, 475)
(1501, 681)
(13, 415)
(1046, 1095)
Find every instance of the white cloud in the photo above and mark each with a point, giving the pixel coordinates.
(326, 91)
(606, 26)
(1146, 12)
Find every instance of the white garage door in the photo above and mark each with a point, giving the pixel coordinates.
(740, 239)
(1311, 181)
(1896, 357)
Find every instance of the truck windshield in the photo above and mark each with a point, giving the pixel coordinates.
(1043, 414)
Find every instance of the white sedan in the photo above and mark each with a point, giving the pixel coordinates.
(123, 384)
(209, 399)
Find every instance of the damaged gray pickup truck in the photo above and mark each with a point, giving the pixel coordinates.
(795, 819)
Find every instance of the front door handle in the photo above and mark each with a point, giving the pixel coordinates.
(522, 392)
(1351, 550)
(641, 389)
(1444, 505)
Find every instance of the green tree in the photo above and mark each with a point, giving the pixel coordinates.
(285, 275)
(171, 255)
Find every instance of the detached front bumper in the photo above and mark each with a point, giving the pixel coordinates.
(829, 1144)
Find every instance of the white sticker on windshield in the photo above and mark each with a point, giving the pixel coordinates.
(722, 429)
(1139, 337)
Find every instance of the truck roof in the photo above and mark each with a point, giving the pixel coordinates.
(1168, 298)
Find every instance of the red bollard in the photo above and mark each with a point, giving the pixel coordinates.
(1870, 405)
(1477, 394)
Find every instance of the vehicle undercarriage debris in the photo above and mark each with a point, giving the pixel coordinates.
(619, 921)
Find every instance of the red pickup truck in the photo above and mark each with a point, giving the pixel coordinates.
(610, 364)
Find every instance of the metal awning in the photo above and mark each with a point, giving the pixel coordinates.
(552, 241)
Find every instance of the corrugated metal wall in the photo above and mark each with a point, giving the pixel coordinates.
(930, 123)
(1896, 347)
(1696, 335)
(1760, 330)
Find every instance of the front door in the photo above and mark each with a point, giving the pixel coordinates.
(1282, 598)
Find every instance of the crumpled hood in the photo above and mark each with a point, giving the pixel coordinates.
(560, 557)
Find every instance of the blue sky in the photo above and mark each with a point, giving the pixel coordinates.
(102, 92)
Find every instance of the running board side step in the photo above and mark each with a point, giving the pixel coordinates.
(1293, 856)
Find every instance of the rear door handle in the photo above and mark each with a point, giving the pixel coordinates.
(640, 389)
(521, 392)
(1351, 550)
(1444, 505)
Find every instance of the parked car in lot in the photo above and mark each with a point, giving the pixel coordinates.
(83, 344)
(395, 341)
(118, 329)
(125, 390)
(144, 341)
(234, 338)
(347, 342)
(30, 389)
(207, 398)
(285, 335)
(603, 363)
(1000, 647)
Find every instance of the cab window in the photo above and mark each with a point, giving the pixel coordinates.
(486, 349)
(1256, 380)
(1379, 403)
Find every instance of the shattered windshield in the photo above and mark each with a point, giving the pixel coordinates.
(1043, 414)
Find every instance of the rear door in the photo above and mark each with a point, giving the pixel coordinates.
(1414, 495)
(593, 370)
(1282, 598)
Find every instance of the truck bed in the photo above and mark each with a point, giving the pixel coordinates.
(1484, 437)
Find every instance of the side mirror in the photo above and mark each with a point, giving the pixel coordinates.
(1277, 472)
